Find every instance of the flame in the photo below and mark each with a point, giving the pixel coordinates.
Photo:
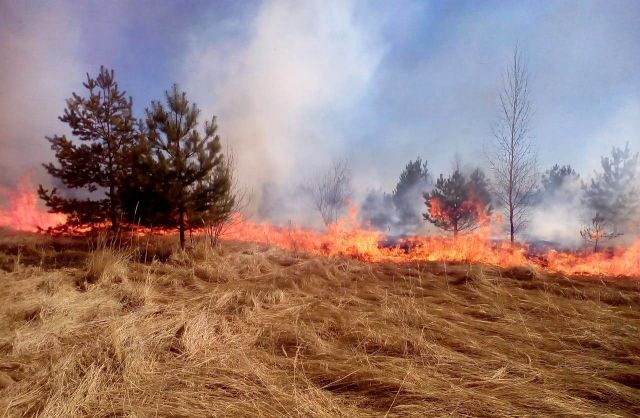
(21, 211)
(623, 262)
(348, 238)
(344, 238)
(473, 208)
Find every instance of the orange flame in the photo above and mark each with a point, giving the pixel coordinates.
(623, 262)
(473, 207)
(349, 238)
(21, 211)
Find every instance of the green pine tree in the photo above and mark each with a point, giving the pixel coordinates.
(104, 125)
(406, 195)
(142, 197)
(213, 201)
(187, 167)
(458, 204)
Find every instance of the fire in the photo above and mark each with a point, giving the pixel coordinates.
(623, 262)
(21, 211)
(348, 238)
(344, 238)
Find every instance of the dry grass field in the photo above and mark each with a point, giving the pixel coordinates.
(247, 330)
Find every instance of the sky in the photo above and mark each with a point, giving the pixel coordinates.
(295, 85)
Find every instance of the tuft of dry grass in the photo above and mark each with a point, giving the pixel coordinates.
(247, 330)
(106, 265)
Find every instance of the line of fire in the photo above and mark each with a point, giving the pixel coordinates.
(163, 175)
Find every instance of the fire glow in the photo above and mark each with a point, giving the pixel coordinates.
(347, 238)
(21, 211)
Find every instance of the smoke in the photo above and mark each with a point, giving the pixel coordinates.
(284, 204)
(621, 127)
(398, 217)
(39, 68)
(297, 85)
(561, 209)
(397, 214)
(559, 214)
(400, 212)
(280, 90)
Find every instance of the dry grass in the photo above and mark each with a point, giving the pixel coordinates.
(253, 331)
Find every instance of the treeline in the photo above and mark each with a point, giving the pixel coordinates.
(158, 171)
(166, 170)
(464, 199)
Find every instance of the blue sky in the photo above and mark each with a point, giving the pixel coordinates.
(297, 84)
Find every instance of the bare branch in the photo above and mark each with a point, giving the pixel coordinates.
(513, 161)
(331, 191)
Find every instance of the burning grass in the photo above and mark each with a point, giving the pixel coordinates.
(348, 237)
(249, 330)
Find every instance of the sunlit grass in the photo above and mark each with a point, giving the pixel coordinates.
(246, 330)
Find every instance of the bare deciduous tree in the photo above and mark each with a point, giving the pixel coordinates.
(331, 191)
(513, 160)
(597, 232)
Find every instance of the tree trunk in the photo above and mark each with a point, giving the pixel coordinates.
(112, 209)
(181, 228)
(511, 227)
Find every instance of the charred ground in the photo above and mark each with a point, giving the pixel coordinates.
(247, 330)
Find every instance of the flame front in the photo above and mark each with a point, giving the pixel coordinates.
(349, 239)
(21, 211)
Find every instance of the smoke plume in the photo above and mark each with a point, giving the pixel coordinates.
(39, 68)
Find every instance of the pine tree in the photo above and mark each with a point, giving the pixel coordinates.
(406, 195)
(142, 197)
(188, 166)
(478, 188)
(557, 176)
(457, 204)
(214, 201)
(556, 184)
(104, 124)
(614, 193)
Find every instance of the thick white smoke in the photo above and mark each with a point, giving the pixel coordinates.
(276, 91)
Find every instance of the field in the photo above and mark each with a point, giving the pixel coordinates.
(249, 330)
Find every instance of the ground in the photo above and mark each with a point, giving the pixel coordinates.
(140, 329)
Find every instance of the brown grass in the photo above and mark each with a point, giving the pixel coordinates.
(252, 331)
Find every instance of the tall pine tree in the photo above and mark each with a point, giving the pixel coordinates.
(104, 125)
(191, 181)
